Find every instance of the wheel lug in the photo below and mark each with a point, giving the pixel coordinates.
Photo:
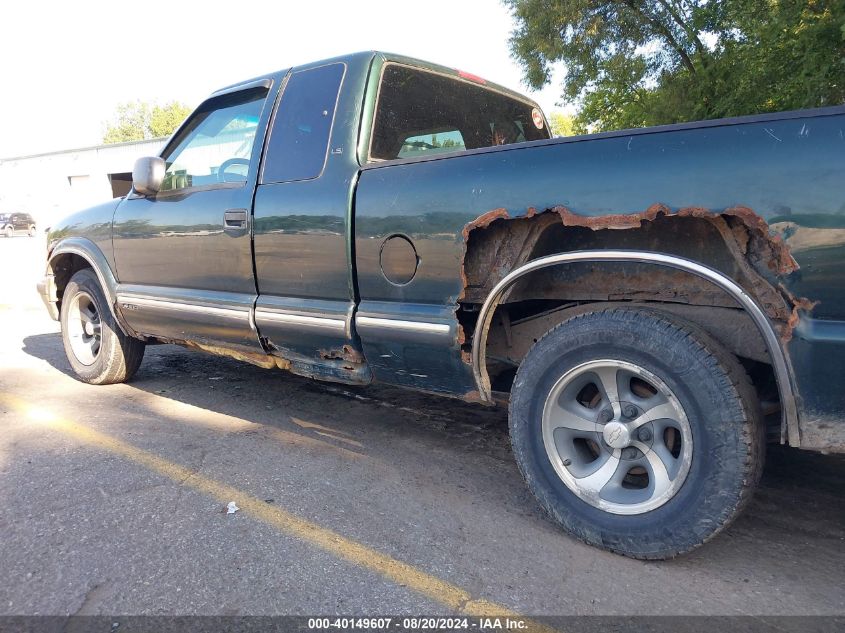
(644, 434)
(630, 453)
(629, 411)
(605, 416)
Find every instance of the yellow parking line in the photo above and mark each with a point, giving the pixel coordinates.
(430, 586)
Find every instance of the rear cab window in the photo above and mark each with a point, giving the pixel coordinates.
(432, 143)
(422, 112)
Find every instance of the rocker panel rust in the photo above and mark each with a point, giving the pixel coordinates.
(343, 366)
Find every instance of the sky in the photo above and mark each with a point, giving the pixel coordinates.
(65, 66)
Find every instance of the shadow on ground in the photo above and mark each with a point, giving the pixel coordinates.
(802, 494)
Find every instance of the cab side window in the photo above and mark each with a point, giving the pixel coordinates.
(299, 140)
(215, 147)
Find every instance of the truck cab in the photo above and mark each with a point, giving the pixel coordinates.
(248, 242)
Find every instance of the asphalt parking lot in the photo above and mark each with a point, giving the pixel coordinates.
(352, 501)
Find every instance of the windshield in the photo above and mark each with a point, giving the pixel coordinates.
(421, 112)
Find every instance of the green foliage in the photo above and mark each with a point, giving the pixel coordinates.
(561, 124)
(446, 142)
(138, 120)
(165, 119)
(632, 63)
(131, 123)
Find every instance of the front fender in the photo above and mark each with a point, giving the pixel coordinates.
(60, 267)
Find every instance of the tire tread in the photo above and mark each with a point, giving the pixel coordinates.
(123, 354)
(733, 380)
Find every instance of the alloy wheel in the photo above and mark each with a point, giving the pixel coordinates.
(617, 436)
(84, 328)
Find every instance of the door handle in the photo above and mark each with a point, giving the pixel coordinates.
(234, 219)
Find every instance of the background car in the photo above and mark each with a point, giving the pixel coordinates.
(15, 223)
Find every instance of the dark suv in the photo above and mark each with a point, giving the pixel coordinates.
(12, 223)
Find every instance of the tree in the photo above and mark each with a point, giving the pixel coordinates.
(165, 119)
(130, 123)
(138, 120)
(631, 63)
(561, 124)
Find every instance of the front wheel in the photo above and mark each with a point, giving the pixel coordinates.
(637, 432)
(98, 351)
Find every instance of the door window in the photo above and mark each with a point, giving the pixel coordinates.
(215, 147)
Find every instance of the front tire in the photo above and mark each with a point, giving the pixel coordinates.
(98, 351)
(637, 432)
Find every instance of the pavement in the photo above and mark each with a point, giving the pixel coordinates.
(351, 500)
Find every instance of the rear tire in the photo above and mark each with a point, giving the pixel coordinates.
(98, 351)
(653, 490)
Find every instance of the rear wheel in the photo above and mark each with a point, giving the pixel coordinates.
(98, 351)
(637, 432)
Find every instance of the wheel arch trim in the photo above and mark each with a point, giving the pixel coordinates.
(87, 250)
(780, 362)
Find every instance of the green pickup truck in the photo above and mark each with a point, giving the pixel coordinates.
(654, 305)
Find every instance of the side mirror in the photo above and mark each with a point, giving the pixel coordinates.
(147, 175)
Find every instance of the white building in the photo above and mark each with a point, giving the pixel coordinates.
(53, 184)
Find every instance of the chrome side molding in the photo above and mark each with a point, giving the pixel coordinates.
(132, 302)
(322, 323)
(400, 324)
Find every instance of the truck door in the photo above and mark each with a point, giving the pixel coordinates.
(302, 227)
(184, 255)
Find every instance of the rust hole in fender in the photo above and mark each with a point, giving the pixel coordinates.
(737, 239)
